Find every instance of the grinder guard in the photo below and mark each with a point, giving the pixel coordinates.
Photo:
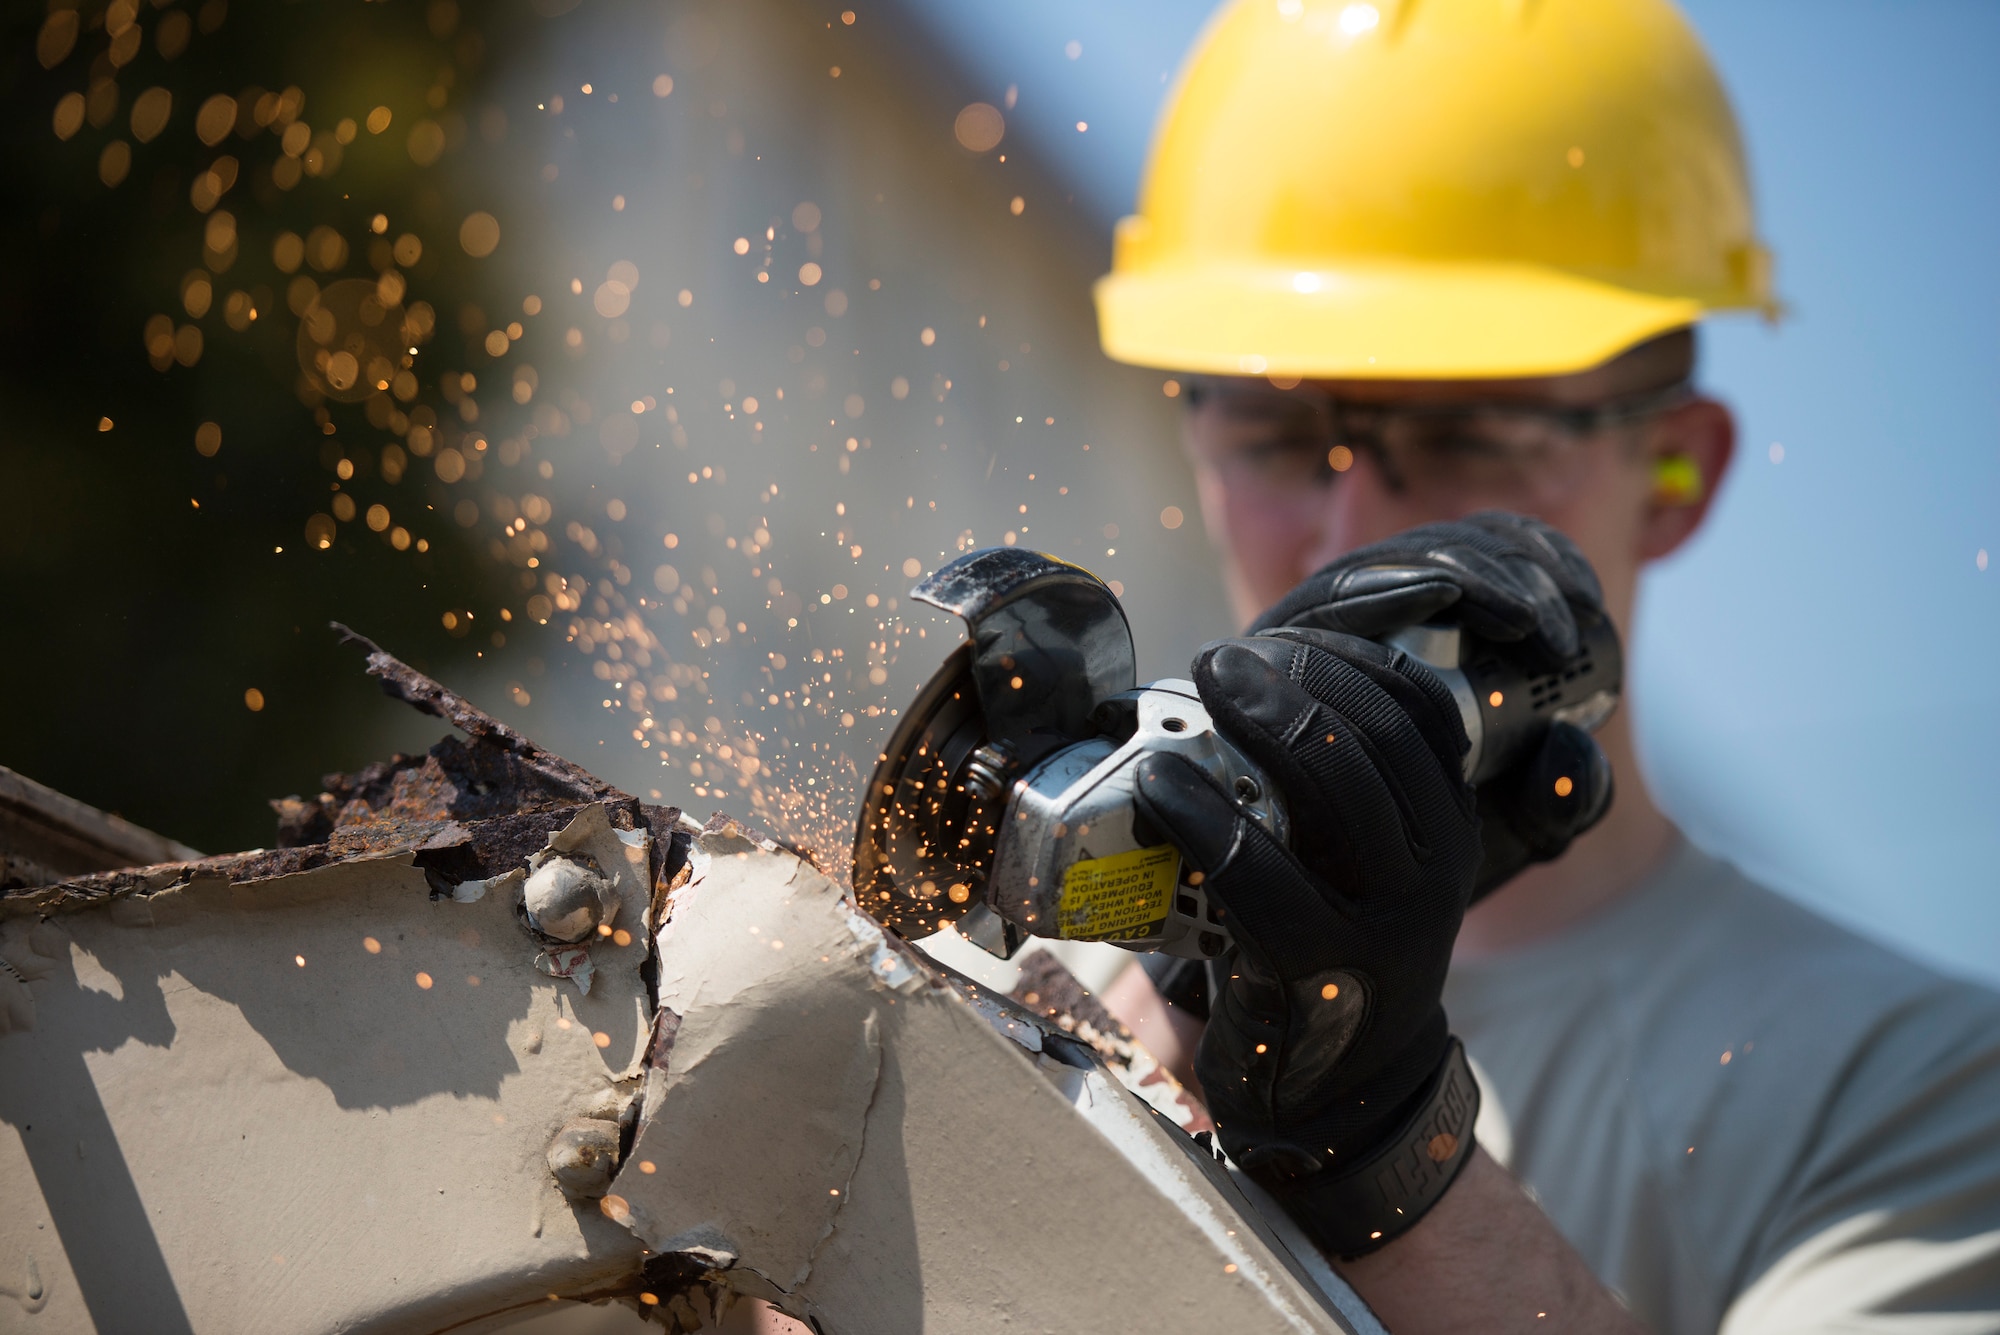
(1049, 640)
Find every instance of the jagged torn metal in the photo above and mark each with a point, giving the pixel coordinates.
(833, 1125)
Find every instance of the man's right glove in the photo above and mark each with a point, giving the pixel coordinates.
(1326, 1062)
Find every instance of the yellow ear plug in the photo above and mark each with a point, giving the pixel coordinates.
(1677, 480)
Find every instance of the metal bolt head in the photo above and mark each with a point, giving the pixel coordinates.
(583, 1156)
(567, 900)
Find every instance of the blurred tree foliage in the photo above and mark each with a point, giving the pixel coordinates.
(171, 161)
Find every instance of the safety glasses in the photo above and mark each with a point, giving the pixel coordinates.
(1290, 444)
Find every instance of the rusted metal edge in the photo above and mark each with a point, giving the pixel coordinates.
(449, 851)
(1050, 990)
(101, 888)
(403, 682)
(480, 849)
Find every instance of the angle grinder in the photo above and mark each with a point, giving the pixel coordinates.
(1002, 804)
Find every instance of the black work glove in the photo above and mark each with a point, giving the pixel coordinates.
(1504, 577)
(1326, 1050)
(1509, 580)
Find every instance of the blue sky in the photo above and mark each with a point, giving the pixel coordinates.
(1819, 696)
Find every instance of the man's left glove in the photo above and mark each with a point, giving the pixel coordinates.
(1507, 580)
(1326, 1061)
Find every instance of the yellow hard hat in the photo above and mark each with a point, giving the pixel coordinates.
(1435, 189)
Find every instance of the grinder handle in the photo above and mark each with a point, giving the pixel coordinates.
(1507, 702)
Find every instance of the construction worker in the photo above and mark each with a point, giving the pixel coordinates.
(1415, 262)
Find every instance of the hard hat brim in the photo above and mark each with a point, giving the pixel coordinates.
(1383, 320)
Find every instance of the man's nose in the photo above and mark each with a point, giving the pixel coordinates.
(1361, 507)
(1357, 509)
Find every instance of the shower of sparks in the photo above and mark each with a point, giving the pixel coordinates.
(748, 668)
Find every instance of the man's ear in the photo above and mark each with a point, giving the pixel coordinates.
(1687, 454)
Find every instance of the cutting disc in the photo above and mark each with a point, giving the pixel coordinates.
(924, 843)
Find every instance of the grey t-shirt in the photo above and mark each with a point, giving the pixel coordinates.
(1745, 1118)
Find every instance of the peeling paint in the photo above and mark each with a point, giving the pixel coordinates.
(471, 892)
(888, 963)
(571, 962)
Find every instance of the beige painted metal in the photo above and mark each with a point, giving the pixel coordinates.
(205, 1133)
(327, 1101)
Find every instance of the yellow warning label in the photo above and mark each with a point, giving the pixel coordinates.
(1120, 897)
